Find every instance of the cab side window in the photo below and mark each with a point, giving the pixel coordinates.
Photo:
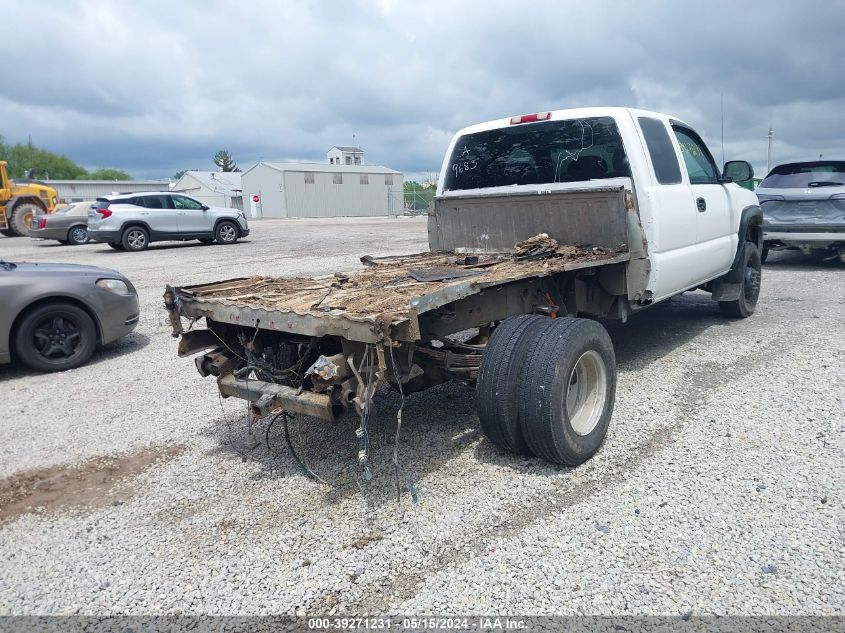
(700, 164)
(660, 150)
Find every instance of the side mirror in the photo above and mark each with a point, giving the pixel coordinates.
(738, 171)
(205, 207)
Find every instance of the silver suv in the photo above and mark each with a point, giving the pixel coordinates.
(130, 221)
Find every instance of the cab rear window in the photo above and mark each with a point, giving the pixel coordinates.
(538, 153)
(801, 175)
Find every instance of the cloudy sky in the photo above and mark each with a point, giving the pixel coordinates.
(152, 86)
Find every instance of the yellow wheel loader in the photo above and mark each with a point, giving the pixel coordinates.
(21, 201)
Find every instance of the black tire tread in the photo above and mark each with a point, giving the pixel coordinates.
(497, 385)
(737, 309)
(14, 219)
(70, 241)
(125, 234)
(220, 225)
(542, 355)
(30, 357)
(538, 376)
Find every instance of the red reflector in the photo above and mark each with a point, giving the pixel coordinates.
(42, 223)
(531, 118)
(105, 213)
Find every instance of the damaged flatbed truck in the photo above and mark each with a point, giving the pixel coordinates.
(542, 224)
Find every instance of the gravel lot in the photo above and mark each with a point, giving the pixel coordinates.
(719, 489)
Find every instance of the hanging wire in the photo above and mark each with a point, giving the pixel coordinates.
(302, 462)
(396, 467)
(363, 432)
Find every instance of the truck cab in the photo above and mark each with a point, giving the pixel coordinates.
(693, 217)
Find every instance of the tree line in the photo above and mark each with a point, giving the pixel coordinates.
(26, 158)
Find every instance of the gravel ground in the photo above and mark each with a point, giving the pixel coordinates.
(719, 489)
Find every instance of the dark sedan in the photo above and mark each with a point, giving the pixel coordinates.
(68, 225)
(53, 316)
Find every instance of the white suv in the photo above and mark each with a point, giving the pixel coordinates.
(130, 221)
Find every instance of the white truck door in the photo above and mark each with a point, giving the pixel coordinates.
(674, 250)
(715, 236)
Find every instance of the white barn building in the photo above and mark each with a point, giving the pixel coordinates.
(313, 190)
(345, 155)
(214, 188)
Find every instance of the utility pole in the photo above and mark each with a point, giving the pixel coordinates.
(722, 107)
(769, 154)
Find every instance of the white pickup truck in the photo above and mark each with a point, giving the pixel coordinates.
(542, 224)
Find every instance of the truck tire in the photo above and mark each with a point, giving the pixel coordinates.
(567, 390)
(55, 337)
(497, 389)
(135, 239)
(21, 217)
(750, 289)
(226, 233)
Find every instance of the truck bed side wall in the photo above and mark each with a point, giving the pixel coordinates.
(494, 223)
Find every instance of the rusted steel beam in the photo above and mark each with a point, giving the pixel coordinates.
(278, 397)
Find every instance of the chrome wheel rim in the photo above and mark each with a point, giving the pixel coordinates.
(136, 239)
(227, 233)
(79, 235)
(586, 393)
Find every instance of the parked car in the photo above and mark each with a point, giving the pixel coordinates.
(804, 207)
(53, 316)
(68, 225)
(132, 221)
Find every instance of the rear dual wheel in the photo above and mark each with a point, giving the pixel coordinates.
(547, 386)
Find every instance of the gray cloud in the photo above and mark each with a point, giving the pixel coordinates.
(156, 86)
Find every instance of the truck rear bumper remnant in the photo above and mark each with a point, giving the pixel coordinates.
(267, 397)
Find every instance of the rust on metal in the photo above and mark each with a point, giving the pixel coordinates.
(374, 303)
(171, 303)
(275, 397)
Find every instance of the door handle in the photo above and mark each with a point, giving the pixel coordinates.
(701, 203)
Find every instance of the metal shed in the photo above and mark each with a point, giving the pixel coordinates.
(314, 190)
(82, 190)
